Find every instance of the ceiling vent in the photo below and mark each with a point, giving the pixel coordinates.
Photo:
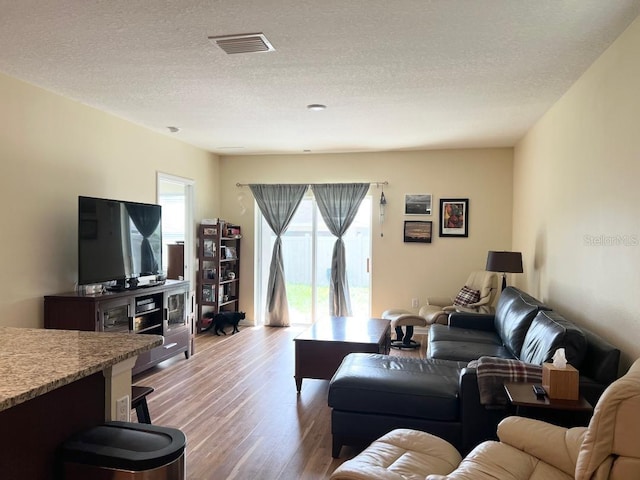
(247, 43)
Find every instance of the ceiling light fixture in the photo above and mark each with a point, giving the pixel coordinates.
(173, 129)
(316, 107)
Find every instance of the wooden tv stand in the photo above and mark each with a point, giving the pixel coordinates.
(157, 310)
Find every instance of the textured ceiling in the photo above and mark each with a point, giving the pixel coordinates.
(394, 74)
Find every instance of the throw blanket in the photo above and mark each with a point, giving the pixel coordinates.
(493, 372)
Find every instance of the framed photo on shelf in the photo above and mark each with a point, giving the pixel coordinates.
(417, 231)
(207, 293)
(230, 252)
(210, 231)
(209, 248)
(417, 204)
(454, 217)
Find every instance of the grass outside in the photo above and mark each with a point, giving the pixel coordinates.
(299, 297)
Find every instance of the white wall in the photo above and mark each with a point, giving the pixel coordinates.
(400, 271)
(52, 150)
(576, 199)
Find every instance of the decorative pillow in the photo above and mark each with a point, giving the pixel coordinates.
(466, 296)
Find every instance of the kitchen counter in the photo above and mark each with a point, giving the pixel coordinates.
(36, 361)
(54, 383)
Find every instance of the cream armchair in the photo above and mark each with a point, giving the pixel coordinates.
(481, 283)
(528, 449)
(437, 309)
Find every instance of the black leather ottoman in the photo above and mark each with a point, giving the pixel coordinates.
(372, 394)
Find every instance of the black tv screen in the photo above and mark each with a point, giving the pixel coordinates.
(118, 240)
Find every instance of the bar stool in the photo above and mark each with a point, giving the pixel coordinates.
(139, 402)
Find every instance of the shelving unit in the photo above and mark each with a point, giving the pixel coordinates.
(218, 270)
(158, 310)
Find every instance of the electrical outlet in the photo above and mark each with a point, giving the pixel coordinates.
(414, 302)
(123, 409)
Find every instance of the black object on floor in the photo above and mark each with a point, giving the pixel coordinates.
(139, 402)
(116, 449)
(404, 340)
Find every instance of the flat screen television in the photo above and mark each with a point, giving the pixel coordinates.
(118, 241)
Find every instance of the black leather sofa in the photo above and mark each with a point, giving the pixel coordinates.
(371, 394)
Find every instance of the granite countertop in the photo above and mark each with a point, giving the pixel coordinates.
(34, 361)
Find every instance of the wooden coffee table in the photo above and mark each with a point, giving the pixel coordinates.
(321, 348)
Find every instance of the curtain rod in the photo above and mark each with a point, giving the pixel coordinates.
(377, 184)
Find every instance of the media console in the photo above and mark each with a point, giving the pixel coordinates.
(158, 310)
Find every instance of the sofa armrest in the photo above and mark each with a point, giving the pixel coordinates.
(478, 422)
(554, 445)
(440, 301)
(601, 363)
(484, 309)
(476, 321)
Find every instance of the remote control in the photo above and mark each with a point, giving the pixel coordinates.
(539, 391)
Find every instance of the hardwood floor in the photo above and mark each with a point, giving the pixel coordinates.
(236, 402)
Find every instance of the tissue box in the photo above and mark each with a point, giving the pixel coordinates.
(560, 383)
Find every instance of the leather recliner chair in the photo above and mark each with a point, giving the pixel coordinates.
(609, 448)
(437, 309)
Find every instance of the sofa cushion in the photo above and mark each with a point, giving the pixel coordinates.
(400, 453)
(464, 344)
(548, 332)
(501, 460)
(514, 313)
(387, 385)
(440, 333)
(453, 350)
(466, 296)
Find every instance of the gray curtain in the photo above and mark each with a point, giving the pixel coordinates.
(338, 205)
(277, 203)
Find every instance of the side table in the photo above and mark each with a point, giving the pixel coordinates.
(567, 413)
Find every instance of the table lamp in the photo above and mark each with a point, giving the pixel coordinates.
(504, 262)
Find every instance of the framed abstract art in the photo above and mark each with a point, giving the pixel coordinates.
(454, 217)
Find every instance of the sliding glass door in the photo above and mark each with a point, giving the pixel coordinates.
(307, 246)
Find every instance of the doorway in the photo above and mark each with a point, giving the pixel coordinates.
(307, 247)
(176, 196)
